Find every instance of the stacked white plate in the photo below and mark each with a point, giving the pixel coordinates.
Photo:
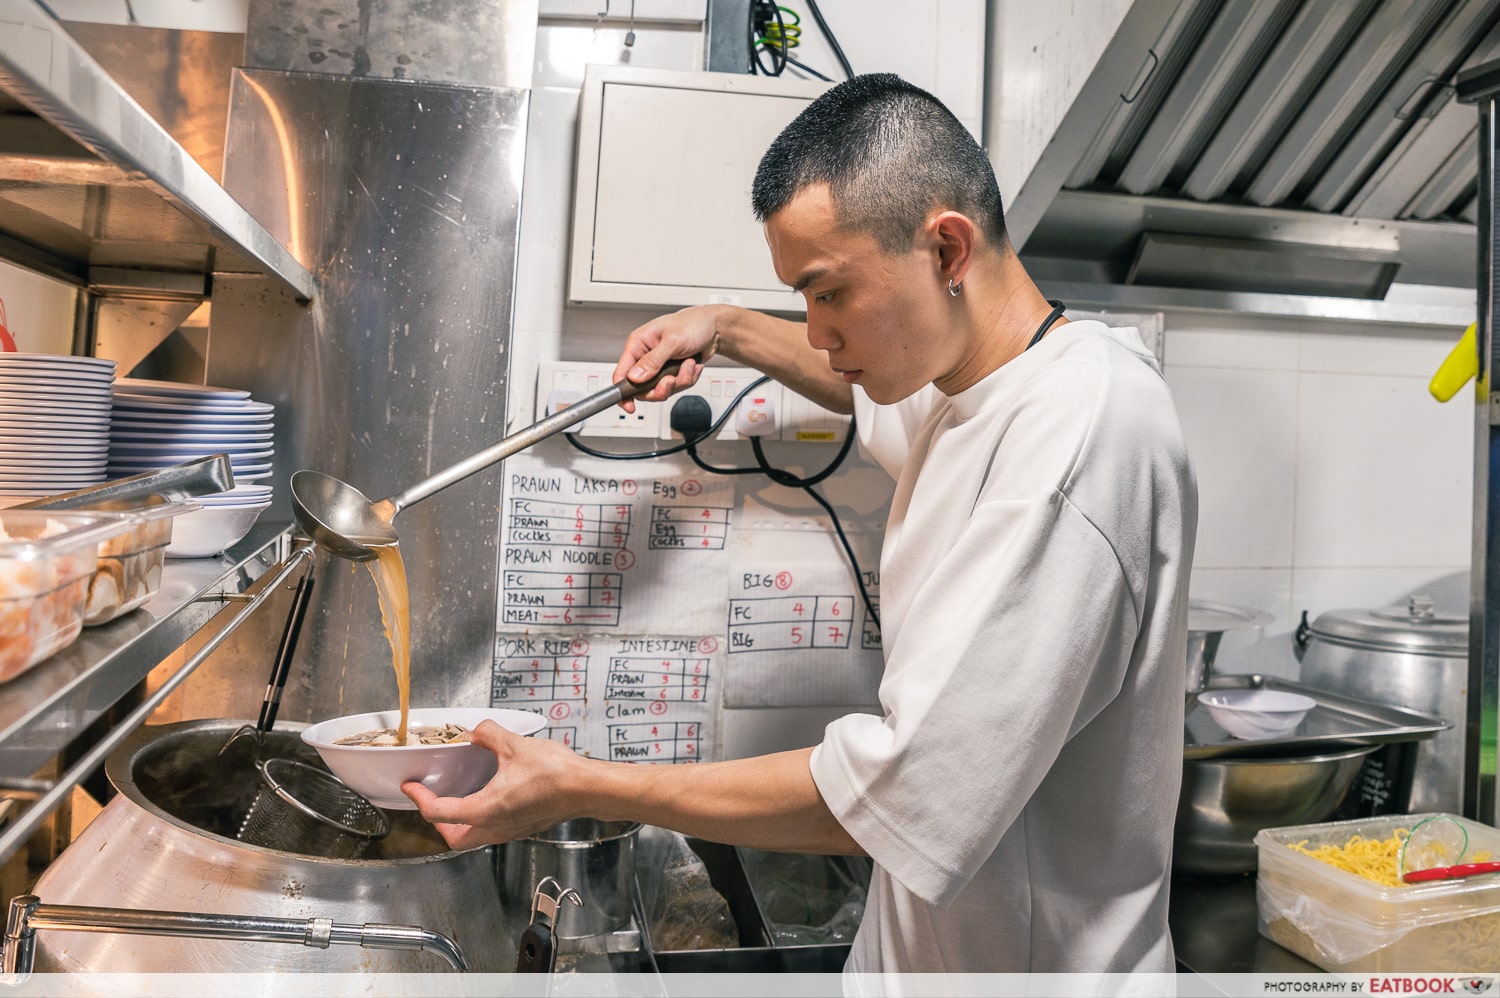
(161, 423)
(156, 424)
(54, 423)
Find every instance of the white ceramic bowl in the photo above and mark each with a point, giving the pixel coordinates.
(1257, 713)
(377, 771)
(206, 532)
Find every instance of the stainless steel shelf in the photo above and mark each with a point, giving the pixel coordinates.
(47, 708)
(93, 181)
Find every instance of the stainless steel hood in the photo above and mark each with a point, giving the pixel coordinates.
(1308, 148)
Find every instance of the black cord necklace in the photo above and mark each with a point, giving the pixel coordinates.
(1057, 310)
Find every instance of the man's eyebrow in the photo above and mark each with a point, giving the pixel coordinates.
(808, 278)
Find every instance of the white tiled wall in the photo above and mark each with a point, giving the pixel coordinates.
(1328, 476)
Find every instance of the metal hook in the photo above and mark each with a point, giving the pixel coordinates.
(547, 905)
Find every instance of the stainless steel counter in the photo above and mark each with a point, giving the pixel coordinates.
(1213, 925)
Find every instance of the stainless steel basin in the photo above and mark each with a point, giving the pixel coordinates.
(1224, 802)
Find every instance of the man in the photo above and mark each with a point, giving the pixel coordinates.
(1018, 793)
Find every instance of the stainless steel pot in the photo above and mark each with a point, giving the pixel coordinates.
(1407, 656)
(166, 843)
(1207, 623)
(1225, 802)
(594, 858)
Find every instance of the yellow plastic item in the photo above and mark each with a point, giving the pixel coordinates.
(1461, 364)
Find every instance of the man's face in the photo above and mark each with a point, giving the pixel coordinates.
(879, 316)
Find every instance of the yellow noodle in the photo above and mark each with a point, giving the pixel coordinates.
(1376, 860)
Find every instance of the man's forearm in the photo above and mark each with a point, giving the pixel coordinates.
(768, 802)
(779, 348)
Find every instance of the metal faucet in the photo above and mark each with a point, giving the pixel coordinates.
(28, 914)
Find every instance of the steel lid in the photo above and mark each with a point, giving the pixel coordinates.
(1217, 617)
(1417, 628)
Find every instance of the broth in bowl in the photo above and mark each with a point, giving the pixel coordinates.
(447, 734)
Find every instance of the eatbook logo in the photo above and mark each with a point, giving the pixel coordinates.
(1477, 985)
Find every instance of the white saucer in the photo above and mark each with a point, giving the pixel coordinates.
(176, 389)
(188, 435)
(132, 451)
(25, 447)
(33, 384)
(44, 428)
(50, 405)
(150, 403)
(66, 360)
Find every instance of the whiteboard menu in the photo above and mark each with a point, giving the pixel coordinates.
(638, 599)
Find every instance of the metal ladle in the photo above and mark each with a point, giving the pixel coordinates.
(340, 517)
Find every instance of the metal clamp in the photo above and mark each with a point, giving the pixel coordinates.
(538, 944)
(545, 905)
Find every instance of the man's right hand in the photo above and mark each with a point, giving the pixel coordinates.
(690, 335)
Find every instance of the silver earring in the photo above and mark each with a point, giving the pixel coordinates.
(954, 289)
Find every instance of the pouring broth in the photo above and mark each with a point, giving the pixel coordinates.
(389, 572)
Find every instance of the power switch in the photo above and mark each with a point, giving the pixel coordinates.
(756, 416)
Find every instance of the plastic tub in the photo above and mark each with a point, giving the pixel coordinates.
(1343, 922)
(46, 561)
(128, 571)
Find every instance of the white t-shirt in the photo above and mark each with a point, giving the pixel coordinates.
(1019, 794)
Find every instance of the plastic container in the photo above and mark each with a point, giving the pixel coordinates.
(46, 562)
(128, 571)
(1343, 922)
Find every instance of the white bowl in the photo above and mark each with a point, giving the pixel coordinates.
(1257, 713)
(206, 532)
(377, 771)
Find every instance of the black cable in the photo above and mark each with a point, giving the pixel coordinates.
(713, 428)
(779, 476)
(838, 53)
(808, 69)
(785, 478)
(762, 12)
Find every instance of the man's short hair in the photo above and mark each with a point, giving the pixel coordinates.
(891, 153)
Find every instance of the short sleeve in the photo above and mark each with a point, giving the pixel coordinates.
(1018, 638)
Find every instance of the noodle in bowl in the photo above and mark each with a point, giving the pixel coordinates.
(448, 769)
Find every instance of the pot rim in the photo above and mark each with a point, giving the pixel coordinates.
(630, 829)
(1341, 755)
(119, 767)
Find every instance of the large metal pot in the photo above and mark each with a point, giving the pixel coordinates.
(594, 858)
(166, 842)
(1407, 656)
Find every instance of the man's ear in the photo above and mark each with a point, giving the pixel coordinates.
(953, 237)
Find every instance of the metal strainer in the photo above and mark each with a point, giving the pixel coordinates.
(303, 809)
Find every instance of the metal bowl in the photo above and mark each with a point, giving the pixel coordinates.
(1224, 802)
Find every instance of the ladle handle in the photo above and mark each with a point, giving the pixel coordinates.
(533, 434)
(284, 652)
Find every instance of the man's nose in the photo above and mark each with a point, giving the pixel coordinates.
(821, 334)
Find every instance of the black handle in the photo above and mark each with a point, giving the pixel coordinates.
(630, 389)
(1301, 636)
(289, 634)
(538, 954)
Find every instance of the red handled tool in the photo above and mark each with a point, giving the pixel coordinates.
(1451, 872)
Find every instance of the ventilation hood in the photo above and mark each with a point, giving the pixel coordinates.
(1295, 156)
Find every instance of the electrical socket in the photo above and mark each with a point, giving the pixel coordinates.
(718, 386)
(561, 382)
(805, 421)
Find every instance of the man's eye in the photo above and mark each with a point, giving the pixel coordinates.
(826, 298)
